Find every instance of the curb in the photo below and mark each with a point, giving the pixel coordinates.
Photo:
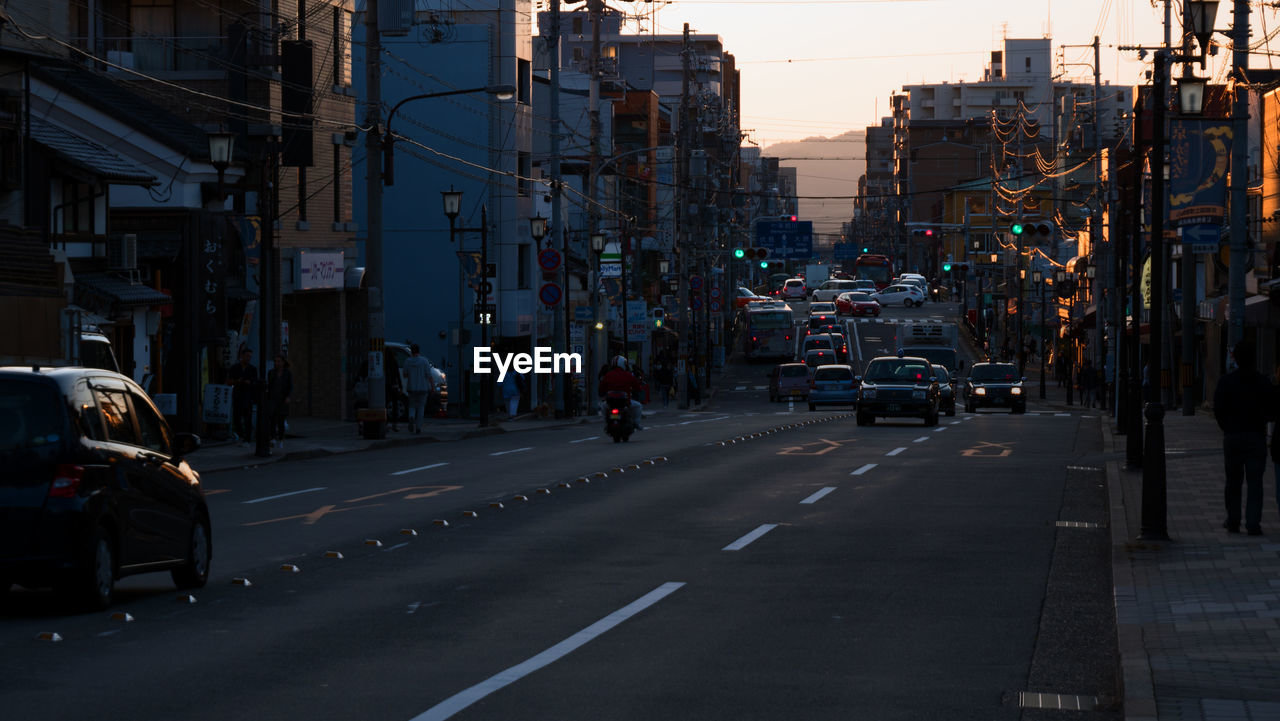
(1137, 687)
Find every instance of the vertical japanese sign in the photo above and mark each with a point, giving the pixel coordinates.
(209, 295)
(1199, 156)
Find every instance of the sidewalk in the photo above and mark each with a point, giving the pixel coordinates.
(315, 437)
(1197, 616)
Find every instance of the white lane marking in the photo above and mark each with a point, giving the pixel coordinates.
(939, 430)
(502, 679)
(419, 468)
(921, 439)
(514, 450)
(592, 438)
(818, 496)
(895, 451)
(762, 388)
(863, 469)
(955, 423)
(705, 420)
(743, 542)
(740, 388)
(402, 544)
(282, 495)
(1062, 415)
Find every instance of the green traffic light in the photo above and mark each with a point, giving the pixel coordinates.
(946, 267)
(1016, 228)
(764, 264)
(866, 249)
(739, 253)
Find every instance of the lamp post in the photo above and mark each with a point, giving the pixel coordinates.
(221, 146)
(1022, 344)
(501, 92)
(484, 312)
(1037, 277)
(1190, 103)
(1065, 283)
(597, 248)
(1091, 275)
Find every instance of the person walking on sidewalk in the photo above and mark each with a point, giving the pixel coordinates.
(279, 388)
(664, 378)
(1087, 378)
(1243, 402)
(418, 385)
(243, 379)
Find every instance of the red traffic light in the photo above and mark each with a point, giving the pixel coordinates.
(793, 219)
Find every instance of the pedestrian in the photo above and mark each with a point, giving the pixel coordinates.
(664, 377)
(243, 379)
(1243, 402)
(1087, 379)
(279, 388)
(511, 392)
(395, 389)
(417, 370)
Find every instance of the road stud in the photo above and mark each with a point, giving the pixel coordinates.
(521, 497)
(496, 504)
(289, 567)
(373, 542)
(122, 616)
(241, 581)
(408, 532)
(186, 598)
(49, 636)
(333, 554)
(470, 514)
(440, 522)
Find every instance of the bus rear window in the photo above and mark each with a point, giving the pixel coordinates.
(768, 321)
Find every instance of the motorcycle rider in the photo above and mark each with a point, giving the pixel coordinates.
(618, 378)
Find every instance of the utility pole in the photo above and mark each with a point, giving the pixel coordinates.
(1239, 170)
(1154, 515)
(682, 187)
(1095, 217)
(375, 422)
(1188, 266)
(599, 344)
(564, 404)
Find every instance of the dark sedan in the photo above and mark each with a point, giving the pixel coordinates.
(898, 387)
(994, 385)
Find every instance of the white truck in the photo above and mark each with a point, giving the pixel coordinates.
(936, 341)
(815, 275)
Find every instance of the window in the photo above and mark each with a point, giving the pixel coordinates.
(522, 266)
(153, 24)
(524, 169)
(154, 433)
(75, 213)
(116, 416)
(524, 80)
(1028, 64)
(341, 48)
(84, 412)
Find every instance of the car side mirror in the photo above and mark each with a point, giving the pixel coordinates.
(857, 379)
(184, 444)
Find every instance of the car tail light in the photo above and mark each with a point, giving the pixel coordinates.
(813, 383)
(788, 337)
(615, 412)
(754, 339)
(66, 481)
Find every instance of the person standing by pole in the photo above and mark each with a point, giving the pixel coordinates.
(243, 378)
(279, 388)
(418, 381)
(1243, 402)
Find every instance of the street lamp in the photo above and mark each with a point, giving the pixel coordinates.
(221, 146)
(597, 240)
(538, 227)
(484, 312)
(501, 92)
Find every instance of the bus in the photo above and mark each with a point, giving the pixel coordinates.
(767, 330)
(877, 268)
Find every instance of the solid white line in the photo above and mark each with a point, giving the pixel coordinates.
(1062, 415)
(818, 496)
(742, 543)
(895, 451)
(282, 495)
(939, 430)
(514, 450)
(592, 438)
(502, 679)
(921, 439)
(863, 469)
(419, 468)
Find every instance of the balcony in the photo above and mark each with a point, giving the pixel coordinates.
(155, 54)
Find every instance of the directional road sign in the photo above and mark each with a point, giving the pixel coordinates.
(786, 239)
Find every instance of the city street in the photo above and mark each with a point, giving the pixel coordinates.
(723, 564)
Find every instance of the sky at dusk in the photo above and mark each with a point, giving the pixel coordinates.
(822, 67)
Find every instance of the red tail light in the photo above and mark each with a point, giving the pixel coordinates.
(615, 412)
(788, 337)
(754, 339)
(813, 383)
(66, 481)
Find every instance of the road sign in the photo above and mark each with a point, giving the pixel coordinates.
(583, 312)
(1202, 238)
(695, 282)
(696, 302)
(715, 291)
(611, 270)
(550, 294)
(484, 313)
(845, 251)
(715, 306)
(549, 258)
(785, 239)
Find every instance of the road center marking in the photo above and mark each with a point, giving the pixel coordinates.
(818, 496)
(419, 468)
(939, 430)
(514, 450)
(283, 495)
(502, 679)
(863, 469)
(895, 451)
(746, 540)
(584, 440)
(921, 439)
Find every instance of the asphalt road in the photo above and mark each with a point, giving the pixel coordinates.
(819, 571)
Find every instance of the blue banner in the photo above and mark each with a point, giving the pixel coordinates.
(1199, 156)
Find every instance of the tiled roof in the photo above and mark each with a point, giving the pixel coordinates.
(88, 154)
(116, 290)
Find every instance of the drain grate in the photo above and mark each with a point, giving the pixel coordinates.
(1065, 702)
(1077, 524)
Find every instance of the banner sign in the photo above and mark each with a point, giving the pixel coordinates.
(1199, 156)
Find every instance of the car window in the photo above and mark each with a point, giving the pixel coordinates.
(29, 415)
(116, 415)
(154, 433)
(794, 371)
(993, 373)
(84, 411)
(833, 373)
(896, 371)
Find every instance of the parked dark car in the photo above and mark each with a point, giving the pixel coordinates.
(95, 486)
(897, 387)
(994, 385)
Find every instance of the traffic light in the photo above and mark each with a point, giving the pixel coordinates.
(1017, 229)
(764, 264)
(922, 232)
(739, 253)
(751, 254)
(946, 267)
(866, 249)
(659, 317)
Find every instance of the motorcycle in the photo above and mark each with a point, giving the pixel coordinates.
(618, 422)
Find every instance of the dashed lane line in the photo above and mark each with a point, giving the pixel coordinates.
(419, 468)
(746, 540)
(282, 495)
(895, 451)
(817, 496)
(514, 450)
(863, 469)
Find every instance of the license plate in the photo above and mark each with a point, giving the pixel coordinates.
(999, 401)
(895, 406)
(796, 393)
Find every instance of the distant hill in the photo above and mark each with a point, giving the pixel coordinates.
(825, 167)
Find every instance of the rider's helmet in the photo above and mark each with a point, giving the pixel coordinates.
(620, 362)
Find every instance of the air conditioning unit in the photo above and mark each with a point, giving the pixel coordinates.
(122, 252)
